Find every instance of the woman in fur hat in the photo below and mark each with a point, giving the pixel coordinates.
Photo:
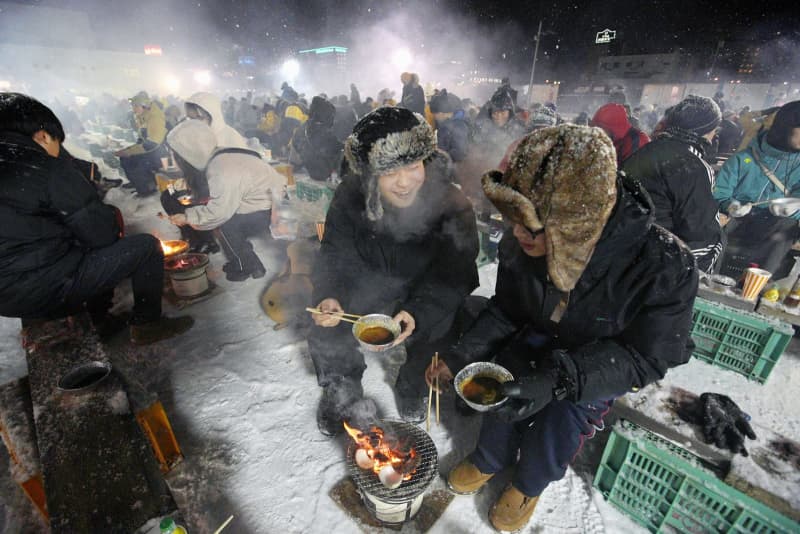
(592, 300)
(400, 239)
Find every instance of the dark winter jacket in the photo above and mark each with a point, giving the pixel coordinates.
(453, 136)
(679, 181)
(422, 262)
(613, 119)
(317, 149)
(49, 216)
(627, 321)
(413, 98)
(729, 137)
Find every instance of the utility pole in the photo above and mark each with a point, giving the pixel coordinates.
(533, 67)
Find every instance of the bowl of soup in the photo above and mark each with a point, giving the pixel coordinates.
(376, 332)
(478, 384)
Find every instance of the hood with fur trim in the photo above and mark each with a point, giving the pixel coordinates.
(384, 140)
(562, 179)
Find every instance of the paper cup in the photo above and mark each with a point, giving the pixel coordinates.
(754, 282)
(165, 163)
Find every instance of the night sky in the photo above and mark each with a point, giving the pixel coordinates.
(273, 29)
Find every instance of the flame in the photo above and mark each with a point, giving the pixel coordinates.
(383, 451)
(173, 247)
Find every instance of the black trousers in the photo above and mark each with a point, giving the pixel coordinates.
(138, 257)
(233, 236)
(140, 170)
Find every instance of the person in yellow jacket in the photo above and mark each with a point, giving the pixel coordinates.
(141, 160)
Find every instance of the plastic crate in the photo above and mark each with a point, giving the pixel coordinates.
(741, 341)
(312, 192)
(659, 485)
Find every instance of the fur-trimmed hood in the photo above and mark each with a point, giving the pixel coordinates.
(562, 179)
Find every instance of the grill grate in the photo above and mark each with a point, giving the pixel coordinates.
(368, 481)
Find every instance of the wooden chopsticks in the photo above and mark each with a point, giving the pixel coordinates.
(341, 315)
(434, 386)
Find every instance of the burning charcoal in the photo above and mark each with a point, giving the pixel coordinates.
(409, 464)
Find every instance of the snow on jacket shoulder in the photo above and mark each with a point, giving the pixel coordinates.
(627, 320)
(49, 215)
(679, 182)
(227, 137)
(742, 179)
(238, 182)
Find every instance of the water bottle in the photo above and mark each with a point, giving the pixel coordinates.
(168, 526)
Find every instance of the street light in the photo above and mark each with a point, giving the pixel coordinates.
(290, 69)
(202, 77)
(401, 58)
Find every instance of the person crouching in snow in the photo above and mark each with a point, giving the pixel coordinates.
(592, 300)
(240, 186)
(400, 239)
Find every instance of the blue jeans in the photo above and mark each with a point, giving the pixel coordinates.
(546, 442)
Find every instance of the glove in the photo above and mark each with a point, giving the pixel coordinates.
(737, 209)
(724, 424)
(526, 396)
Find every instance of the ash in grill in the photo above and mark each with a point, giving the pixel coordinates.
(400, 504)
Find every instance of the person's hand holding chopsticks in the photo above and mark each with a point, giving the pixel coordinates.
(331, 315)
(407, 325)
(440, 370)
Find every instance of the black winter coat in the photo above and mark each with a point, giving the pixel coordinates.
(627, 321)
(679, 181)
(317, 149)
(453, 137)
(413, 99)
(422, 262)
(49, 216)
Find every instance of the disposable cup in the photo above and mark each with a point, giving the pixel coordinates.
(754, 282)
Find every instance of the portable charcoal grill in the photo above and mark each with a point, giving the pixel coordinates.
(393, 506)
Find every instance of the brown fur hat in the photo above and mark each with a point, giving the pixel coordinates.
(562, 179)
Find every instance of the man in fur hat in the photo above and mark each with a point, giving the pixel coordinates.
(400, 239)
(592, 300)
(679, 180)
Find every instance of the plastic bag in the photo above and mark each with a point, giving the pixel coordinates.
(285, 220)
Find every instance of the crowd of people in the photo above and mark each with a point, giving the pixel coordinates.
(610, 218)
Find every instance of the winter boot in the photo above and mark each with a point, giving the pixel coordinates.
(337, 397)
(466, 479)
(513, 510)
(108, 325)
(164, 328)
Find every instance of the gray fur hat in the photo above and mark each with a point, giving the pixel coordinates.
(384, 140)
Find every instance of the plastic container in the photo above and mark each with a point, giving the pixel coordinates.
(662, 487)
(312, 192)
(168, 526)
(741, 341)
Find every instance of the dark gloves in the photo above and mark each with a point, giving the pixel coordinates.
(526, 396)
(724, 424)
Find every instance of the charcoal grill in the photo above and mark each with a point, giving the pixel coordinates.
(394, 506)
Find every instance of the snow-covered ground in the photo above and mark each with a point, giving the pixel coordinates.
(242, 399)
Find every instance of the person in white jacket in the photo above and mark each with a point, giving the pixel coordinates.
(207, 107)
(240, 187)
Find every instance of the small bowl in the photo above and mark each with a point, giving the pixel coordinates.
(719, 282)
(784, 207)
(84, 377)
(174, 247)
(487, 369)
(375, 320)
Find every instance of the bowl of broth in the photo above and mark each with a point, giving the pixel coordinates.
(478, 384)
(376, 332)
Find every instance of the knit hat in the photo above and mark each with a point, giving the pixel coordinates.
(384, 140)
(194, 141)
(501, 100)
(786, 120)
(562, 179)
(140, 99)
(697, 114)
(543, 116)
(443, 102)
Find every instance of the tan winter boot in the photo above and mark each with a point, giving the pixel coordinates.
(164, 328)
(466, 479)
(512, 510)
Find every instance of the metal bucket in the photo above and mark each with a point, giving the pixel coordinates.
(189, 281)
(84, 377)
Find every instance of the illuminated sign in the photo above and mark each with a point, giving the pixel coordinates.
(247, 60)
(605, 36)
(152, 50)
(325, 50)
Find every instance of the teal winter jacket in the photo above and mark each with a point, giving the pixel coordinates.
(742, 179)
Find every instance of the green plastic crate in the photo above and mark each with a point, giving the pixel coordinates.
(664, 488)
(312, 192)
(741, 341)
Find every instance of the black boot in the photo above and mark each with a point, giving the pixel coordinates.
(337, 397)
